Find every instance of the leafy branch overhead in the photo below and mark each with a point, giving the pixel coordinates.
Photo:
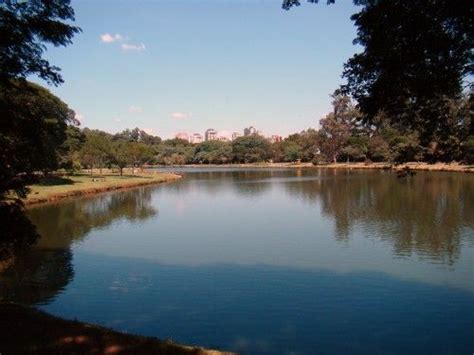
(25, 29)
(288, 4)
(417, 58)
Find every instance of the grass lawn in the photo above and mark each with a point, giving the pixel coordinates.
(60, 187)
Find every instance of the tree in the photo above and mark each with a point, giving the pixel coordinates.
(69, 158)
(121, 155)
(251, 149)
(213, 152)
(378, 149)
(292, 152)
(96, 150)
(140, 153)
(416, 57)
(356, 148)
(174, 151)
(33, 124)
(137, 135)
(337, 126)
(308, 141)
(24, 28)
(288, 4)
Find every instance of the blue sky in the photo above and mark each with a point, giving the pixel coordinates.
(188, 65)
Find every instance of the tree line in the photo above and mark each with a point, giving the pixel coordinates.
(342, 137)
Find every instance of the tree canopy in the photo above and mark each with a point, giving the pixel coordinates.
(32, 129)
(417, 58)
(25, 28)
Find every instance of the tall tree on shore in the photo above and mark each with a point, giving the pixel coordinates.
(33, 125)
(337, 126)
(418, 56)
(32, 120)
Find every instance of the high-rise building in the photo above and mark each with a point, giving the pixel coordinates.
(250, 131)
(210, 134)
(196, 138)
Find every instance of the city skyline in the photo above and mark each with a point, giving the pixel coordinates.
(224, 135)
(178, 66)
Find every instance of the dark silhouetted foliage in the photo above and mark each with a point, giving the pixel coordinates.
(25, 27)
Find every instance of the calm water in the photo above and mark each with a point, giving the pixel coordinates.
(266, 261)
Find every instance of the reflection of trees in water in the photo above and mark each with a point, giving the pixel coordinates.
(245, 182)
(41, 273)
(37, 277)
(425, 214)
(64, 223)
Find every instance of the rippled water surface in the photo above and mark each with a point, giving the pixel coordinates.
(266, 261)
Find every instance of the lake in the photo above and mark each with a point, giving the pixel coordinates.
(265, 261)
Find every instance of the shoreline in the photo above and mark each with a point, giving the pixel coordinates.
(27, 330)
(102, 184)
(447, 167)
(113, 182)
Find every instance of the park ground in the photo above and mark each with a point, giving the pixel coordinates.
(56, 187)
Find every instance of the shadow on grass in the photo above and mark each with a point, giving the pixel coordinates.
(55, 181)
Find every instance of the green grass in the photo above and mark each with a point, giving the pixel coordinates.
(53, 188)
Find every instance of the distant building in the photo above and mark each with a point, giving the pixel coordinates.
(196, 138)
(182, 135)
(222, 139)
(210, 134)
(250, 131)
(236, 135)
(275, 138)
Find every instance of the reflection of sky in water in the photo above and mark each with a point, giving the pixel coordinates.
(270, 309)
(280, 261)
(261, 221)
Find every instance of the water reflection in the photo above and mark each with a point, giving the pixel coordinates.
(37, 277)
(44, 271)
(245, 182)
(429, 214)
(69, 222)
(265, 261)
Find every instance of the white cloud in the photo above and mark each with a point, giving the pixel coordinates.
(135, 109)
(108, 38)
(133, 47)
(181, 115)
(118, 120)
